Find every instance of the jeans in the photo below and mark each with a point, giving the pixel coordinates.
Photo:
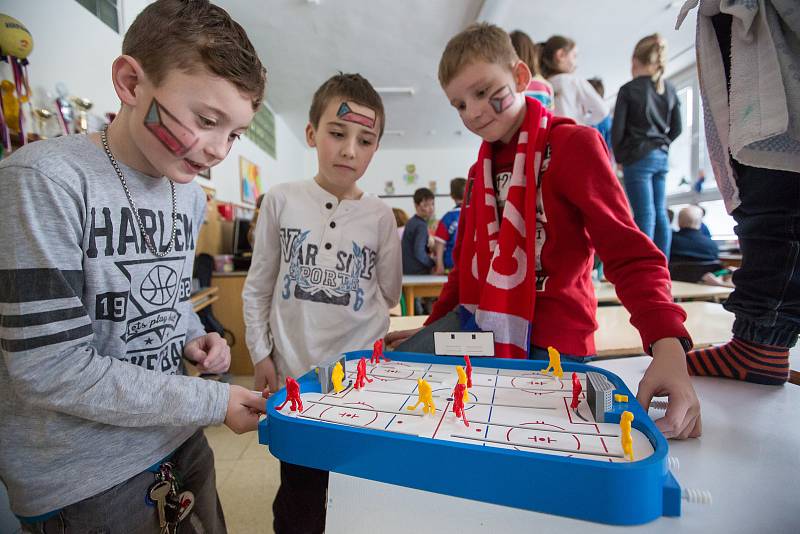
(766, 300)
(645, 183)
(422, 341)
(123, 508)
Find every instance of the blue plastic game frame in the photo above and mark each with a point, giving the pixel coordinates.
(626, 493)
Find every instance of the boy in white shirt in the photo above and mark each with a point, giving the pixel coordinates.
(326, 269)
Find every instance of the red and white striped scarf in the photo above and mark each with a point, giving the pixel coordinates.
(497, 274)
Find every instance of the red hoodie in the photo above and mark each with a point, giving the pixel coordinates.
(586, 210)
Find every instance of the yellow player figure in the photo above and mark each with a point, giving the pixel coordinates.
(425, 397)
(337, 376)
(627, 440)
(462, 379)
(555, 363)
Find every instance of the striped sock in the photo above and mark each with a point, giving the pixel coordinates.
(741, 360)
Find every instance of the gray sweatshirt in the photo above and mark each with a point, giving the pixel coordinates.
(92, 325)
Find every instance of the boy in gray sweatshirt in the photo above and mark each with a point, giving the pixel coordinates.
(98, 235)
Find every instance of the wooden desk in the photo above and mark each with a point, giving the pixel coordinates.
(729, 259)
(747, 458)
(230, 312)
(707, 322)
(204, 298)
(421, 285)
(681, 291)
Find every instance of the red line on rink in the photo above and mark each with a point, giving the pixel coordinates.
(444, 414)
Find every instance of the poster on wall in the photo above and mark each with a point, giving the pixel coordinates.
(250, 178)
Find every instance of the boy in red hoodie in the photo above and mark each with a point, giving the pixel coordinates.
(541, 199)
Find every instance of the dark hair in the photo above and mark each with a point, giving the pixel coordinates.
(422, 194)
(351, 87)
(549, 49)
(195, 34)
(527, 50)
(457, 186)
(597, 83)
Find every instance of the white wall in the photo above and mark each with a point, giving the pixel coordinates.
(438, 165)
(73, 46)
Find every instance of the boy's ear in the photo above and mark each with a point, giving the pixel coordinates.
(311, 135)
(127, 75)
(522, 76)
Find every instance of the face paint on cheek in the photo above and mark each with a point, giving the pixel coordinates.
(502, 99)
(347, 114)
(175, 137)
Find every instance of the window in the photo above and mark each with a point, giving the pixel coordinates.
(691, 178)
(105, 10)
(262, 131)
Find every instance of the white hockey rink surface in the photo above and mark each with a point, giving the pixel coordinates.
(524, 410)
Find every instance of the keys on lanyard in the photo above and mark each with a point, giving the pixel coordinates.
(173, 506)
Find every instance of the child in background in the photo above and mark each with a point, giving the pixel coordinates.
(325, 271)
(416, 255)
(647, 119)
(574, 97)
(401, 218)
(445, 237)
(529, 52)
(523, 270)
(604, 126)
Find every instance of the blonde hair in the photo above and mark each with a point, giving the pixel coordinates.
(479, 42)
(652, 51)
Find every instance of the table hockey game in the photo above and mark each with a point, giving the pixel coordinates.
(524, 447)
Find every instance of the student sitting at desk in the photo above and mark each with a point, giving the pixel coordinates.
(690, 241)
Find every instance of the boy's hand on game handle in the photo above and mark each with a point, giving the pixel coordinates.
(244, 409)
(667, 375)
(210, 353)
(398, 336)
(266, 377)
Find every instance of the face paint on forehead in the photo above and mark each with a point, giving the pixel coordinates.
(175, 137)
(347, 114)
(502, 99)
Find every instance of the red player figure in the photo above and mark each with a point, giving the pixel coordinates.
(361, 374)
(458, 402)
(469, 370)
(377, 352)
(576, 391)
(292, 394)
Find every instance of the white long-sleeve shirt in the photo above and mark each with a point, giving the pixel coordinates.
(323, 277)
(577, 99)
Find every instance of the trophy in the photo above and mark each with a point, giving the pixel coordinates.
(43, 117)
(64, 110)
(83, 105)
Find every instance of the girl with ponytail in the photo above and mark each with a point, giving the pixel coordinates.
(647, 119)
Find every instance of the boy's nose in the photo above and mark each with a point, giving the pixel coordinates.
(218, 147)
(349, 148)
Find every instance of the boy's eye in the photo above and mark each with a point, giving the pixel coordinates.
(206, 122)
(234, 136)
(337, 134)
(481, 93)
(366, 142)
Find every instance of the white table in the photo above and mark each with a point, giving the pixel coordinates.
(748, 458)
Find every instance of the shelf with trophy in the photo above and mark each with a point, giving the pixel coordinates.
(26, 116)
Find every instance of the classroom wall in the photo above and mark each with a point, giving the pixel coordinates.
(440, 165)
(74, 46)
